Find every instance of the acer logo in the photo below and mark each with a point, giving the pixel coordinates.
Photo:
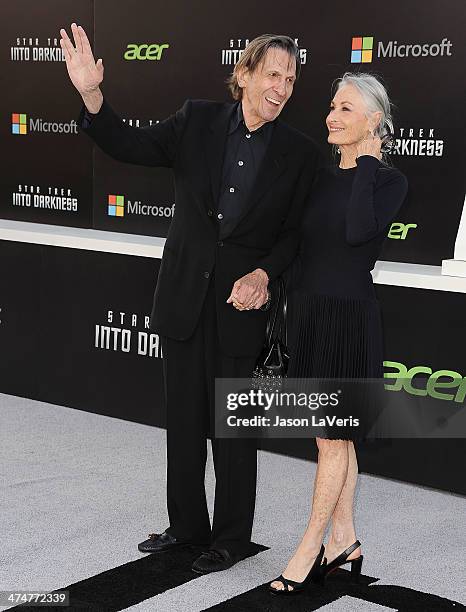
(399, 231)
(435, 384)
(144, 51)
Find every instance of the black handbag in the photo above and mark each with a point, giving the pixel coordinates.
(272, 364)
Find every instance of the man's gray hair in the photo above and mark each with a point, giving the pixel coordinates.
(255, 53)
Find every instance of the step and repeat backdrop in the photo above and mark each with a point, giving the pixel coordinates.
(74, 324)
(157, 54)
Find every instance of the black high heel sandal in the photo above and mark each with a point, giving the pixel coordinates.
(315, 575)
(356, 564)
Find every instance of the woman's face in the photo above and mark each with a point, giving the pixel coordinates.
(347, 121)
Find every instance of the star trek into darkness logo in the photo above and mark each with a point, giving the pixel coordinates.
(418, 142)
(35, 49)
(49, 198)
(232, 53)
(138, 122)
(127, 333)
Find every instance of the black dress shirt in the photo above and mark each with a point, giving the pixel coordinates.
(244, 152)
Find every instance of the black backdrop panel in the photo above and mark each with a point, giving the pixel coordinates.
(424, 327)
(89, 346)
(21, 312)
(155, 57)
(190, 51)
(74, 333)
(46, 171)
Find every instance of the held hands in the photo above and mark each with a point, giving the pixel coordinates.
(370, 145)
(85, 74)
(250, 291)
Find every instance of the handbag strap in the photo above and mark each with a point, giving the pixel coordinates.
(271, 322)
(282, 330)
(279, 315)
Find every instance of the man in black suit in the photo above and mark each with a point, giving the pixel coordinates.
(242, 177)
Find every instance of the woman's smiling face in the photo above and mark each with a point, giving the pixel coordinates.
(348, 122)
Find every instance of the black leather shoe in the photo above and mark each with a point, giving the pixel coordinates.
(213, 560)
(160, 542)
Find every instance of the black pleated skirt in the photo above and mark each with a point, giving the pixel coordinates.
(332, 337)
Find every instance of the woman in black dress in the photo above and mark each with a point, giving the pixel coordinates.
(336, 318)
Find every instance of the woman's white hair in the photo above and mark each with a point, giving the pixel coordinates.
(376, 98)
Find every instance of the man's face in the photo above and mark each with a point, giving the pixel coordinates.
(268, 88)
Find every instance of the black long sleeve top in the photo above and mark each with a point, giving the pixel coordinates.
(344, 226)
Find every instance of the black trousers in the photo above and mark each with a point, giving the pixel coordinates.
(190, 368)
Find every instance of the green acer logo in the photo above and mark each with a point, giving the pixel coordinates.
(144, 52)
(436, 385)
(399, 231)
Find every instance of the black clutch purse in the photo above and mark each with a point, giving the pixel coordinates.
(272, 364)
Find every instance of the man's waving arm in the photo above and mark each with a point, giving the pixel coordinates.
(154, 145)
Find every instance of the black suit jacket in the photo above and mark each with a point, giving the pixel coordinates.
(192, 142)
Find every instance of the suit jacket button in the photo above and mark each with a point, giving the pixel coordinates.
(220, 243)
(206, 274)
(210, 212)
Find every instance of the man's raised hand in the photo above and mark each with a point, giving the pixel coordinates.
(85, 73)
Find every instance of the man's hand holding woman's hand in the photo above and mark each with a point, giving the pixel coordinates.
(85, 73)
(250, 291)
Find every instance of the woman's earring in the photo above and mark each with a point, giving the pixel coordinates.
(338, 150)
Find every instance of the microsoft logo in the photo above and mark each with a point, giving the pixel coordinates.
(361, 49)
(18, 123)
(116, 205)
